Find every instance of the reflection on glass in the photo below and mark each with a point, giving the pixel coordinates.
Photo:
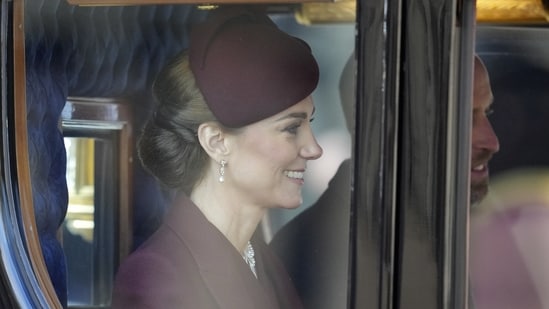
(78, 227)
(509, 250)
(79, 218)
(89, 232)
(96, 231)
(509, 244)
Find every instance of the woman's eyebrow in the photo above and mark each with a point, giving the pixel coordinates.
(293, 115)
(301, 115)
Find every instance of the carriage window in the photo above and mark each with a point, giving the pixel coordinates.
(510, 227)
(99, 48)
(97, 141)
(92, 50)
(77, 231)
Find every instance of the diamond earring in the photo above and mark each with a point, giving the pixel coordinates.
(222, 171)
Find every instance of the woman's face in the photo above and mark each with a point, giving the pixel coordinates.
(269, 158)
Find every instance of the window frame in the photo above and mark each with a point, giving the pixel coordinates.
(382, 259)
(411, 213)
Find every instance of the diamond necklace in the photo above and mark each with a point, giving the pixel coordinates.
(249, 257)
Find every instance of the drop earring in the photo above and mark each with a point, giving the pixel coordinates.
(222, 171)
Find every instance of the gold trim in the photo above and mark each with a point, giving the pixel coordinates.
(343, 11)
(511, 11)
(488, 11)
(156, 2)
(23, 168)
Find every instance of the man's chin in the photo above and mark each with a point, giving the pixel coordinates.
(478, 193)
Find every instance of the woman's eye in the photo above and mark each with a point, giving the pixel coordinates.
(489, 111)
(293, 128)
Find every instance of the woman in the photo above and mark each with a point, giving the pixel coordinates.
(232, 134)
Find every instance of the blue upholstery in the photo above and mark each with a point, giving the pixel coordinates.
(94, 52)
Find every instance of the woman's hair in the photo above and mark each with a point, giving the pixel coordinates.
(169, 148)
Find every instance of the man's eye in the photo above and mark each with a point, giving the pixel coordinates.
(489, 111)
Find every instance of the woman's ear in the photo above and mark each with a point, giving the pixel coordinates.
(212, 138)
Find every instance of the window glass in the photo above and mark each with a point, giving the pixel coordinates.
(96, 203)
(510, 227)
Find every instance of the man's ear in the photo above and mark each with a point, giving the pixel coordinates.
(212, 138)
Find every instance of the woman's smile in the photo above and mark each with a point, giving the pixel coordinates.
(295, 175)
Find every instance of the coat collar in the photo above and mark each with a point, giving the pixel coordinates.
(223, 269)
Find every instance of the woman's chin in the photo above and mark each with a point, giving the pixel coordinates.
(291, 205)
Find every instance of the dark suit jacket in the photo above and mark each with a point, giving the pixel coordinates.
(314, 246)
(189, 263)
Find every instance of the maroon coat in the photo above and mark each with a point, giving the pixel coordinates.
(189, 263)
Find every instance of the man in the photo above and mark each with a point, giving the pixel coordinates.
(314, 245)
(484, 142)
(509, 247)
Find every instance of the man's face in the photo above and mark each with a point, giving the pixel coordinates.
(484, 141)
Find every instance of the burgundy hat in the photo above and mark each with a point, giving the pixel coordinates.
(246, 68)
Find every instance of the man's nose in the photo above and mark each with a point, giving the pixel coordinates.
(485, 137)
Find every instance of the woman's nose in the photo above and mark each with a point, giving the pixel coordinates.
(311, 150)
